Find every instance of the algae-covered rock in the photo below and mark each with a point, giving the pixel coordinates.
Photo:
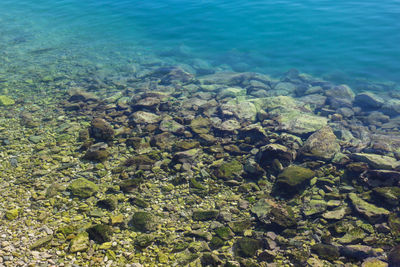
(352, 236)
(169, 125)
(314, 206)
(240, 226)
(12, 214)
(41, 242)
(336, 214)
(229, 170)
(144, 240)
(143, 221)
(326, 251)
(204, 215)
(83, 188)
(100, 233)
(109, 203)
(6, 100)
(321, 145)
(200, 125)
(390, 195)
(292, 180)
(270, 212)
(371, 212)
(377, 161)
(97, 152)
(79, 243)
(374, 262)
(143, 117)
(247, 247)
(394, 256)
(224, 233)
(101, 130)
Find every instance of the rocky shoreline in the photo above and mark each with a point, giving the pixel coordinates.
(165, 168)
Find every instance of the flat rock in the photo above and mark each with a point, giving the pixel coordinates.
(145, 117)
(377, 161)
(371, 212)
(368, 100)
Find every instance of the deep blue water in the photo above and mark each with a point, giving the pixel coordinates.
(333, 39)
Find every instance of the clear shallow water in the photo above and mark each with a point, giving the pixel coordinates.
(339, 40)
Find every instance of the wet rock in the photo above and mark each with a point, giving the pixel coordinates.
(169, 125)
(253, 169)
(187, 156)
(368, 100)
(143, 117)
(131, 184)
(272, 213)
(140, 161)
(352, 236)
(394, 257)
(231, 92)
(299, 123)
(146, 103)
(205, 215)
(12, 214)
(336, 214)
(273, 152)
(100, 233)
(229, 170)
(321, 145)
(292, 180)
(77, 95)
(101, 130)
(6, 101)
(83, 188)
(284, 88)
(391, 107)
(200, 125)
(35, 139)
(229, 125)
(109, 203)
(242, 110)
(315, 100)
(225, 233)
(377, 161)
(79, 243)
(41, 242)
(97, 152)
(326, 251)
(240, 226)
(391, 195)
(340, 96)
(371, 212)
(143, 221)
(374, 262)
(247, 247)
(314, 206)
(357, 252)
(173, 75)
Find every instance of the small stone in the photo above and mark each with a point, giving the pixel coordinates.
(143, 221)
(12, 214)
(200, 125)
(41, 242)
(100, 233)
(292, 179)
(229, 170)
(205, 215)
(336, 214)
(326, 251)
(6, 101)
(83, 188)
(368, 100)
(97, 152)
(101, 130)
(79, 243)
(247, 247)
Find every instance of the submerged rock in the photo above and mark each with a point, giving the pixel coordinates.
(394, 257)
(391, 195)
(377, 161)
(97, 152)
(200, 125)
(143, 117)
(83, 188)
(371, 212)
(101, 130)
(326, 251)
(272, 213)
(340, 96)
(321, 145)
(143, 221)
(292, 180)
(368, 100)
(79, 243)
(204, 215)
(229, 170)
(247, 247)
(6, 100)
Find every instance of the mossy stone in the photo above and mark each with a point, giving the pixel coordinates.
(79, 243)
(6, 101)
(216, 242)
(247, 247)
(130, 184)
(100, 233)
(353, 236)
(144, 240)
(371, 212)
(143, 221)
(83, 188)
(239, 227)
(41, 242)
(229, 170)
(200, 125)
(12, 214)
(390, 195)
(224, 233)
(326, 251)
(205, 215)
(109, 203)
(139, 202)
(292, 180)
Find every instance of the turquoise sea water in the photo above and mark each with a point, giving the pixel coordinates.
(337, 40)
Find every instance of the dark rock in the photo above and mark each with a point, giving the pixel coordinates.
(216, 242)
(140, 161)
(83, 188)
(326, 251)
(247, 247)
(357, 252)
(205, 215)
(109, 203)
(371, 212)
(394, 257)
(143, 221)
(272, 152)
(97, 152)
(391, 195)
(229, 170)
(101, 130)
(292, 180)
(340, 96)
(368, 100)
(100, 233)
(272, 213)
(224, 233)
(321, 145)
(239, 227)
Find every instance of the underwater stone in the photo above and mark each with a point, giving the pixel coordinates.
(143, 221)
(101, 130)
(336, 214)
(6, 101)
(377, 161)
(271, 212)
(321, 145)
(41, 242)
(358, 252)
(79, 243)
(143, 117)
(224, 233)
(200, 125)
(371, 212)
(326, 251)
(292, 179)
(390, 195)
(368, 100)
(391, 107)
(340, 96)
(12, 214)
(374, 262)
(109, 203)
(394, 256)
(205, 215)
(100, 233)
(314, 206)
(171, 126)
(229, 170)
(247, 247)
(97, 152)
(229, 125)
(83, 188)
